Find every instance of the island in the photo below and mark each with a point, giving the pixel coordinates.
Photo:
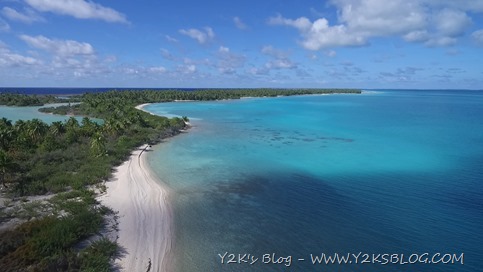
(69, 189)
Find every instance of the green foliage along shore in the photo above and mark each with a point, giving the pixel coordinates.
(21, 100)
(68, 159)
(101, 105)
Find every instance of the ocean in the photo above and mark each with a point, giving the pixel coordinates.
(390, 179)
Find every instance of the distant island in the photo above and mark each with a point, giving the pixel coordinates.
(52, 173)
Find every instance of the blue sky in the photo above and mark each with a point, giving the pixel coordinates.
(265, 43)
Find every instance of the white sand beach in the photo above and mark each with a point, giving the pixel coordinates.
(145, 216)
(140, 107)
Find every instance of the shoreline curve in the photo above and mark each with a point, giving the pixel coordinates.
(145, 215)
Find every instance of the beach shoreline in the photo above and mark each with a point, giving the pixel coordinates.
(145, 222)
(141, 107)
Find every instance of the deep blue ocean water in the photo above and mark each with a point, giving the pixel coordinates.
(388, 172)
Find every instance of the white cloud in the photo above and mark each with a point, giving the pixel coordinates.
(11, 59)
(158, 69)
(28, 17)
(464, 5)
(417, 36)
(228, 62)
(478, 37)
(430, 22)
(80, 9)
(202, 36)
(276, 53)
(239, 24)
(190, 69)
(170, 39)
(4, 26)
(381, 17)
(319, 34)
(441, 41)
(451, 22)
(223, 49)
(302, 23)
(279, 59)
(59, 47)
(280, 64)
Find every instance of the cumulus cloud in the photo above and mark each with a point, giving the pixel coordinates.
(302, 23)
(319, 34)
(429, 22)
(187, 68)
(417, 36)
(451, 22)
(202, 36)
(464, 5)
(59, 47)
(28, 17)
(381, 17)
(228, 62)
(239, 23)
(80, 9)
(478, 37)
(276, 53)
(11, 59)
(279, 59)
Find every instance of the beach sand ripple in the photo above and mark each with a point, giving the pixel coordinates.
(145, 216)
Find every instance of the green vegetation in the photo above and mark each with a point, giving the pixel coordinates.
(68, 159)
(63, 110)
(12, 99)
(49, 243)
(91, 101)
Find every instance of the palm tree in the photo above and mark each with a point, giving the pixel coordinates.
(36, 129)
(57, 128)
(98, 144)
(72, 123)
(88, 127)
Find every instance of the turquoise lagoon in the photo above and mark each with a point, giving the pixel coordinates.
(26, 113)
(387, 172)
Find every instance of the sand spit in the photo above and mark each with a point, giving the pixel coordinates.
(145, 216)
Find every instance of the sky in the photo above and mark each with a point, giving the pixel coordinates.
(373, 44)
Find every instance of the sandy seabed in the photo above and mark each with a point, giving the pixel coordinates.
(145, 216)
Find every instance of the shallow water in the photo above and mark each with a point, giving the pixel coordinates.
(27, 113)
(396, 172)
